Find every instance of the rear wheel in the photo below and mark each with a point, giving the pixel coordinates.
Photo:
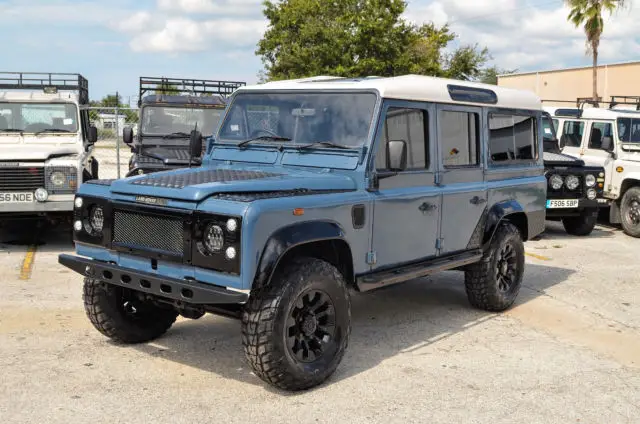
(295, 331)
(120, 315)
(582, 225)
(630, 212)
(494, 283)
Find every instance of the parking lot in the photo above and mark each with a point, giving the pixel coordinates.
(568, 352)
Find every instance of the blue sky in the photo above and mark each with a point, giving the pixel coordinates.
(113, 43)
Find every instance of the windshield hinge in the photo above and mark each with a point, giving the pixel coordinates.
(439, 243)
(436, 178)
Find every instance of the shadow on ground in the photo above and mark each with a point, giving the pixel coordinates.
(385, 323)
(18, 236)
(555, 231)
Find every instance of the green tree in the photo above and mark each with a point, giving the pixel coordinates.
(166, 88)
(490, 75)
(354, 38)
(588, 14)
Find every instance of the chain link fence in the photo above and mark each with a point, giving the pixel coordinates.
(112, 153)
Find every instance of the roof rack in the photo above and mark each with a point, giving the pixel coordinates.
(625, 100)
(187, 86)
(48, 81)
(580, 102)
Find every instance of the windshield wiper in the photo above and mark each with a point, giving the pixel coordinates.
(323, 144)
(261, 138)
(177, 135)
(52, 130)
(12, 130)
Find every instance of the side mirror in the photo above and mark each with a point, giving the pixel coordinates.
(195, 144)
(127, 135)
(92, 137)
(397, 155)
(607, 144)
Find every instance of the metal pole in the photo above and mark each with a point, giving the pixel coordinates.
(117, 135)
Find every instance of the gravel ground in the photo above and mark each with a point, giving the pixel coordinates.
(568, 352)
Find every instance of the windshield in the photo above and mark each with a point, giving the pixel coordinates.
(300, 118)
(548, 128)
(38, 117)
(629, 130)
(160, 120)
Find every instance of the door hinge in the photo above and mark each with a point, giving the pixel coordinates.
(371, 258)
(439, 243)
(436, 178)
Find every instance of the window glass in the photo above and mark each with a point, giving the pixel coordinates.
(599, 130)
(572, 133)
(512, 138)
(629, 130)
(36, 117)
(459, 138)
(410, 126)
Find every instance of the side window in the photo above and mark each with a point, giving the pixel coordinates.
(599, 130)
(411, 126)
(572, 133)
(512, 138)
(459, 138)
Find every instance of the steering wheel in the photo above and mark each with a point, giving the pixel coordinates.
(257, 133)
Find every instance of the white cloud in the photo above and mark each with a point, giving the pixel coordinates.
(520, 36)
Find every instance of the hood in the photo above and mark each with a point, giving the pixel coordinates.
(560, 159)
(197, 184)
(36, 152)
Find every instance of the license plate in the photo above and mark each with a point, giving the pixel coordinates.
(16, 198)
(562, 204)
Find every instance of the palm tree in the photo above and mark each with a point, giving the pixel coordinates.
(588, 13)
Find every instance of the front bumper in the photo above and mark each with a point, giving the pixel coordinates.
(192, 292)
(574, 211)
(38, 207)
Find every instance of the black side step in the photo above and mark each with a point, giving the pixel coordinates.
(410, 272)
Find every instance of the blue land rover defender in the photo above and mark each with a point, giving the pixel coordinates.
(309, 190)
(170, 108)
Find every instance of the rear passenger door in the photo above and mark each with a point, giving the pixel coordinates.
(406, 222)
(461, 176)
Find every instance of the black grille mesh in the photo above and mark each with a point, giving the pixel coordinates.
(184, 179)
(148, 231)
(21, 179)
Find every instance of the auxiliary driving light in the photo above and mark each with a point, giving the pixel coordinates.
(77, 225)
(232, 225)
(231, 253)
(556, 182)
(41, 195)
(78, 202)
(572, 182)
(591, 194)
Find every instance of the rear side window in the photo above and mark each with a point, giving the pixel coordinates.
(572, 133)
(629, 130)
(408, 125)
(459, 138)
(512, 138)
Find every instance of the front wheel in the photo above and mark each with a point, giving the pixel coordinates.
(494, 283)
(630, 212)
(295, 331)
(582, 225)
(119, 314)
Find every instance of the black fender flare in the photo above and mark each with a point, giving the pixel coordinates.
(289, 237)
(498, 213)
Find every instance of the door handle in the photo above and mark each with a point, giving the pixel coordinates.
(477, 201)
(427, 207)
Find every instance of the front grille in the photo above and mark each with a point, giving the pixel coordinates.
(148, 232)
(21, 179)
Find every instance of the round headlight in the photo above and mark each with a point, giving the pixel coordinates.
(230, 253)
(58, 179)
(96, 219)
(78, 202)
(213, 238)
(77, 225)
(41, 195)
(572, 182)
(590, 180)
(591, 194)
(556, 182)
(232, 225)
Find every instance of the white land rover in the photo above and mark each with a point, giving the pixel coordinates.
(46, 143)
(608, 137)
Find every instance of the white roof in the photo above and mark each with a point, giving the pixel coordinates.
(407, 87)
(37, 96)
(596, 113)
